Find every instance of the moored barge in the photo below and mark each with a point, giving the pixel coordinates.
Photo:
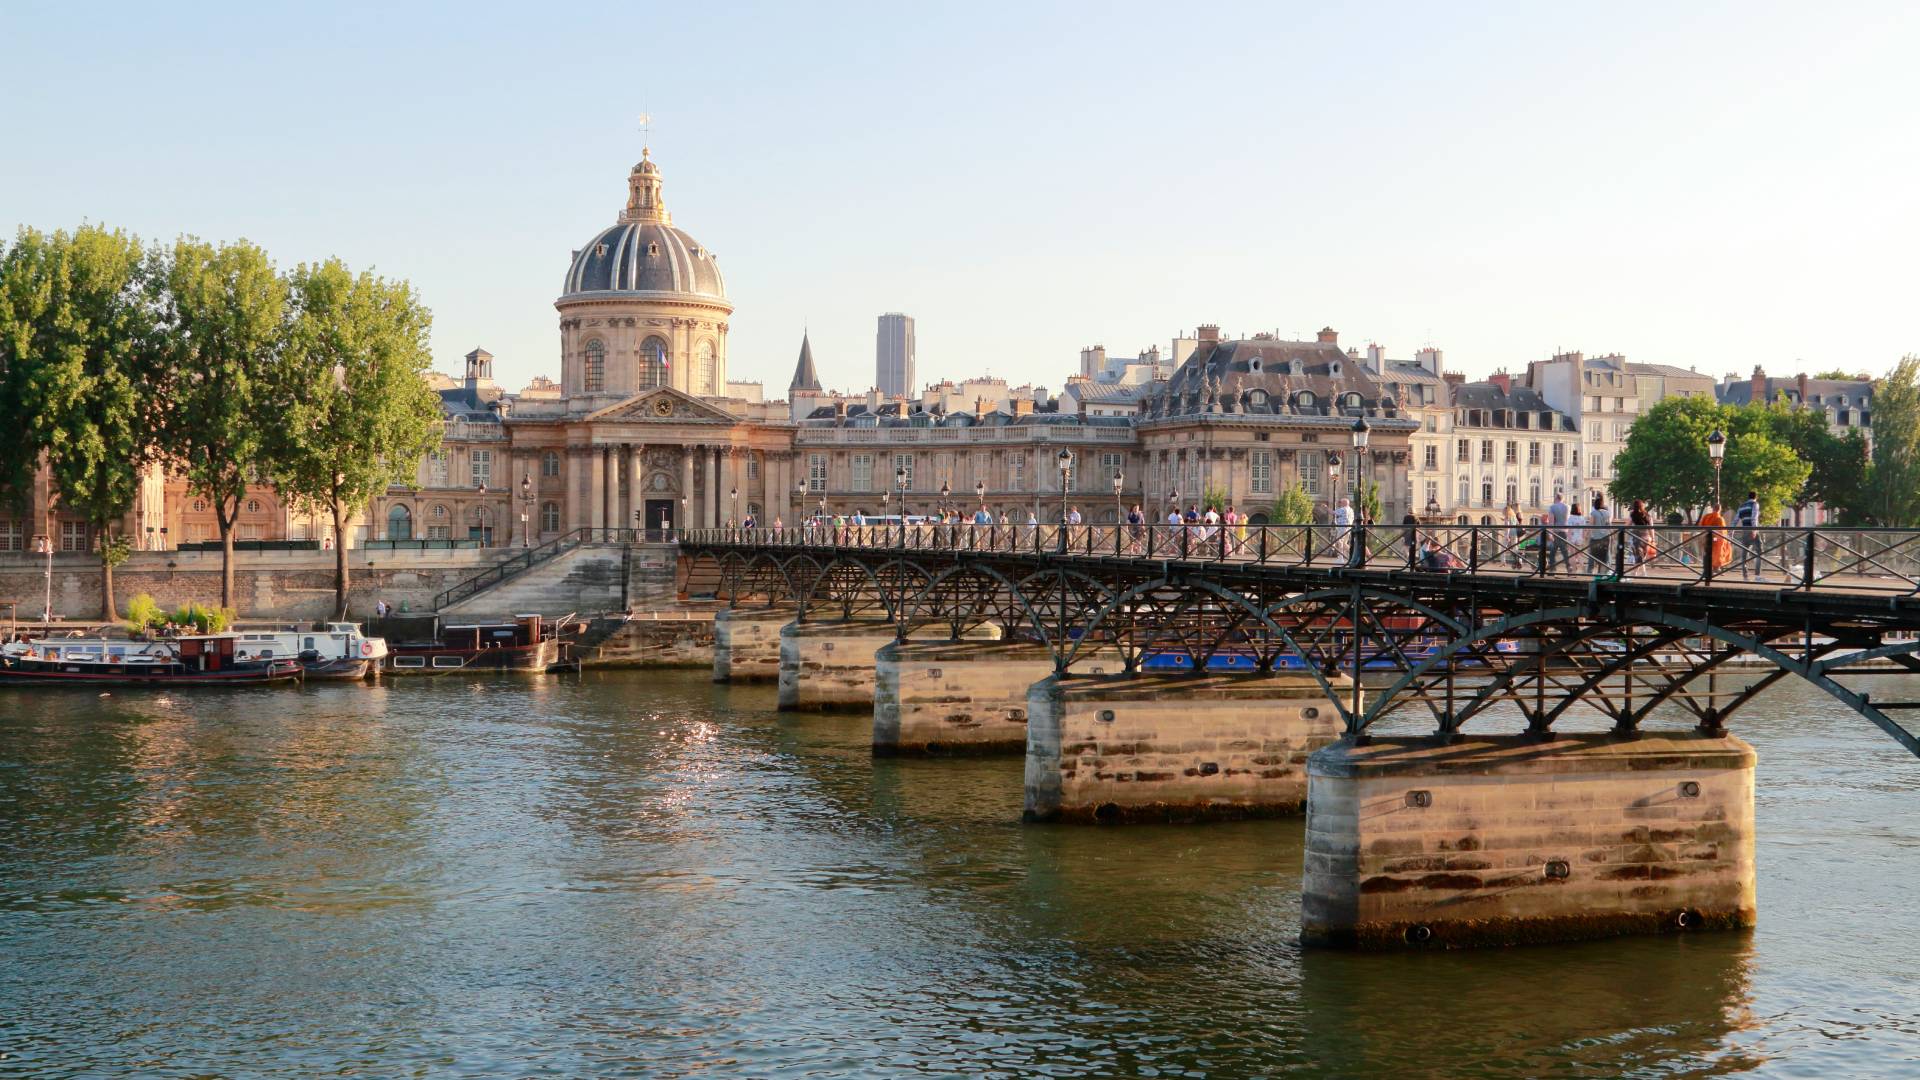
(529, 644)
(194, 660)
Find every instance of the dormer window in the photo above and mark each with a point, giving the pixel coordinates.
(1253, 365)
(1333, 369)
(1304, 399)
(600, 251)
(652, 250)
(1256, 398)
(1351, 400)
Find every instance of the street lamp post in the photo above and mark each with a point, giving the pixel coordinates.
(1119, 480)
(733, 507)
(1064, 459)
(980, 492)
(900, 481)
(683, 515)
(1716, 452)
(1361, 430)
(44, 545)
(526, 510)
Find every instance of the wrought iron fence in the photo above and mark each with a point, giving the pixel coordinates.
(1882, 561)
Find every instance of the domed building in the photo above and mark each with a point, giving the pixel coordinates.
(643, 306)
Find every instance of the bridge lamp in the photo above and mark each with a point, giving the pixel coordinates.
(980, 492)
(1064, 459)
(43, 545)
(733, 504)
(526, 510)
(1716, 453)
(1119, 481)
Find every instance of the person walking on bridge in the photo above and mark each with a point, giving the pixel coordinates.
(1746, 522)
(1600, 535)
(1556, 533)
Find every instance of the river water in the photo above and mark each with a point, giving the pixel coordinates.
(643, 874)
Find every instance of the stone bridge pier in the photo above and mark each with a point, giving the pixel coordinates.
(832, 665)
(746, 644)
(1177, 747)
(1511, 839)
(959, 697)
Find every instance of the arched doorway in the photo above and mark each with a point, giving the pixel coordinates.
(399, 522)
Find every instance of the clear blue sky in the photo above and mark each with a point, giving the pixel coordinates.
(1700, 184)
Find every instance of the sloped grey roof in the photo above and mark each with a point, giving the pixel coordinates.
(804, 377)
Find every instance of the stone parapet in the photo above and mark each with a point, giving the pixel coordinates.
(957, 697)
(1172, 747)
(1501, 840)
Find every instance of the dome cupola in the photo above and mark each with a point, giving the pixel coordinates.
(643, 252)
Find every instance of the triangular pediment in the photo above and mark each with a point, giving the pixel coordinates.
(663, 405)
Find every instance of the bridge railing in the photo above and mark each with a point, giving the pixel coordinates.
(1825, 558)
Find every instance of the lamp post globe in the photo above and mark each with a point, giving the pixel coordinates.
(1716, 453)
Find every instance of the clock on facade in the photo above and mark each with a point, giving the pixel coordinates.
(663, 407)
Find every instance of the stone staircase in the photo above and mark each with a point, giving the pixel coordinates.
(587, 578)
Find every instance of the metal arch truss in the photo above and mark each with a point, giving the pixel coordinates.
(1450, 646)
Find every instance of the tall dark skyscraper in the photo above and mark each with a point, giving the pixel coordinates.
(893, 355)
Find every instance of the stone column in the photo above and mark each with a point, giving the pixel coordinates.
(611, 519)
(715, 496)
(683, 512)
(570, 471)
(1509, 839)
(596, 486)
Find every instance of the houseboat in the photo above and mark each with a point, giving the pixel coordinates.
(195, 660)
(340, 650)
(529, 643)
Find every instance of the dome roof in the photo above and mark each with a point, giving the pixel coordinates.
(644, 252)
(644, 257)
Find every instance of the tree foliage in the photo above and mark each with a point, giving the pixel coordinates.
(1893, 484)
(358, 413)
(1843, 376)
(1667, 464)
(73, 322)
(1293, 506)
(223, 321)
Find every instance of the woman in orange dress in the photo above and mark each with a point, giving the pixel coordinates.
(1717, 548)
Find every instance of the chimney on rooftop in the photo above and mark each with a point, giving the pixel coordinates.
(1800, 382)
(1022, 407)
(1758, 391)
(1207, 333)
(1329, 336)
(1502, 380)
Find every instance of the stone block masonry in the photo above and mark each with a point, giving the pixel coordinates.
(1503, 840)
(1172, 747)
(830, 665)
(746, 644)
(958, 697)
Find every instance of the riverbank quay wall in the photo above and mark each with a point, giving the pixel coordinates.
(298, 585)
(1494, 840)
(957, 697)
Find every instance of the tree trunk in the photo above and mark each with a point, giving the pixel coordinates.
(226, 563)
(109, 610)
(339, 561)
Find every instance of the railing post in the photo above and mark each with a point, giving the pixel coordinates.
(1263, 546)
(1473, 549)
(1307, 531)
(1806, 569)
(1545, 536)
(1620, 554)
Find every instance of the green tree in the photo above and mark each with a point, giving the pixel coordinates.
(1369, 501)
(223, 324)
(1665, 461)
(1893, 484)
(1667, 464)
(73, 319)
(1213, 498)
(1843, 376)
(1293, 506)
(359, 414)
